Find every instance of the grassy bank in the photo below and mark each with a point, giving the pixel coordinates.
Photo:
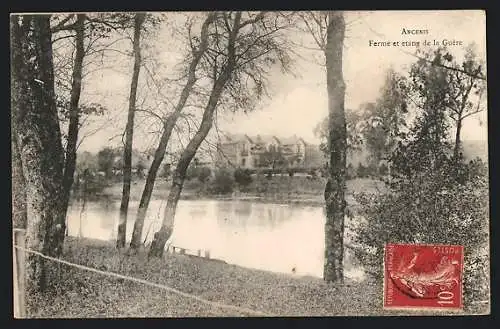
(279, 189)
(84, 294)
(79, 293)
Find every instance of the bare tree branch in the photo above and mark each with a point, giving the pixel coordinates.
(152, 113)
(63, 37)
(60, 26)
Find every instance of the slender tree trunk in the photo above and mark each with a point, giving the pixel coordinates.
(161, 237)
(150, 181)
(39, 140)
(74, 112)
(456, 148)
(129, 130)
(335, 187)
(167, 132)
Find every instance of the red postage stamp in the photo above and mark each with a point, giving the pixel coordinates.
(423, 276)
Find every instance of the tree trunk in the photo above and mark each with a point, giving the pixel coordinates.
(161, 237)
(19, 215)
(129, 130)
(136, 242)
(39, 140)
(74, 112)
(456, 149)
(19, 211)
(167, 132)
(335, 187)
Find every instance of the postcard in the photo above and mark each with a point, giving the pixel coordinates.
(249, 164)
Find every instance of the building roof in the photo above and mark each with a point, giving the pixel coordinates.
(291, 140)
(233, 138)
(262, 139)
(266, 139)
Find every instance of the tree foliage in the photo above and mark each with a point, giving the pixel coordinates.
(243, 47)
(204, 174)
(430, 208)
(465, 95)
(353, 125)
(427, 142)
(166, 170)
(223, 182)
(375, 126)
(242, 177)
(106, 160)
(433, 197)
(385, 119)
(87, 161)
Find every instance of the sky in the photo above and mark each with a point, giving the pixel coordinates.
(299, 102)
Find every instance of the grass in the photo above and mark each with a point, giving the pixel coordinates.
(77, 293)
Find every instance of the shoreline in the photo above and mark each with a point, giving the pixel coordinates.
(317, 202)
(81, 293)
(313, 198)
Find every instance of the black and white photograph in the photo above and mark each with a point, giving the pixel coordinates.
(249, 164)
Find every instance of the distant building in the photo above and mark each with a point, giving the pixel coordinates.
(244, 151)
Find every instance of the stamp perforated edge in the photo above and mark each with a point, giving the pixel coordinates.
(457, 309)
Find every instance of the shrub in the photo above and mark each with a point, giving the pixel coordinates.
(89, 184)
(383, 169)
(372, 170)
(223, 182)
(165, 173)
(362, 171)
(141, 167)
(243, 177)
(350, 171)
(431, 207)
(191, 172)
(475, 169)
(199, 172)
(203, 174)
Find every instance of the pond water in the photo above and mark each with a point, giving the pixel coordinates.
(272, 237)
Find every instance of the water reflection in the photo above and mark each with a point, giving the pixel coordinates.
(271, 237)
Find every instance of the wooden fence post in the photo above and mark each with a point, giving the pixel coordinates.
(19, 274)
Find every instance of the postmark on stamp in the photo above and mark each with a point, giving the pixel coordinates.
(423, 276)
